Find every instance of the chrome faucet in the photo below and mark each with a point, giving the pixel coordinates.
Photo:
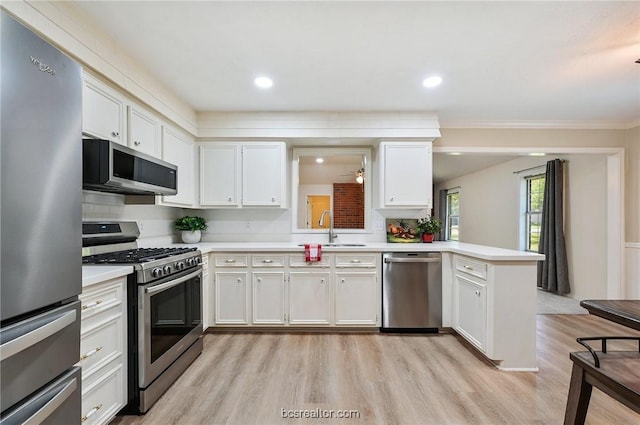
(332, 235)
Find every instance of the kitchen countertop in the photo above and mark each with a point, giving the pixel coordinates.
(95, 274)
(477, 251)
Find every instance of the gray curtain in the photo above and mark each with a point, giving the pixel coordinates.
(553, 272)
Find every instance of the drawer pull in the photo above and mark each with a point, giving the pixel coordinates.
(230, 260)
(267, 261)
(92, 412)
(115, 133)
(355, 261)
(478, 293)
(90, 353)
(92, 305)
(239, 280)
(136, 143)
(468, 267)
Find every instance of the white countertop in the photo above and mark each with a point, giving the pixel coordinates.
(95, 274)
(478, 251)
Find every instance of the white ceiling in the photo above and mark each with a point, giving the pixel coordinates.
(525, 62)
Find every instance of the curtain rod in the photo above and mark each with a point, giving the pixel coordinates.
(538, 166)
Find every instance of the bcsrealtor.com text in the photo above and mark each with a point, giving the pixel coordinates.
(319, 414)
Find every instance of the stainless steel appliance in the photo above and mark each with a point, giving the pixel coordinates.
(111, 167)
(165, 307)
(411, 291)
(40, 229)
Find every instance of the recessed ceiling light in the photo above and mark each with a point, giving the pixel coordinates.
(537, 154)
(263, 82)
(319, 160)
(432, 81)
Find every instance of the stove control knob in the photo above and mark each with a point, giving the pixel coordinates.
(157, 272)
(198, 260)
(180, 265)
(189, 262)
(166, 269)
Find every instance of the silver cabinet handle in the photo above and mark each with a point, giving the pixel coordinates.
(29, 339)
(342, 280)
(229, 199)
(115, 133)
(412, 260)
(239, 280)
(136, 143)
(172, 283)
(468, 267)
(93, 410)
(91, 305)
(259, 279)
(230, 260)
(273, 199)
(355, 261)
(90, 353)
(391, 199)
(478, 293)
(53, 404)
(267, 261)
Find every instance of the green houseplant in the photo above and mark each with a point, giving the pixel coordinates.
(428, 226)
(191, 228)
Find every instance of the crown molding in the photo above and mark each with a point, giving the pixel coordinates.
(550, 124)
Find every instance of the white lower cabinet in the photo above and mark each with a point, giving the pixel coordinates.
(357, 301)
(470, 310)
(310, 298)
(268, 303)
(231, 298)
(103, 342)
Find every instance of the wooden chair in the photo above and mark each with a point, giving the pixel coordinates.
(616, 373)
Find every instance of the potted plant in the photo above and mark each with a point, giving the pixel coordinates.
(428, 227)
(191, 228)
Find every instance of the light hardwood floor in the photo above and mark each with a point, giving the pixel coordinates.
(248, 378)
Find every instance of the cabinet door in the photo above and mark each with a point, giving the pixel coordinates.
(406, 175)
(103, 111)
(144, 132)
(268, 298)
(178, 150)
(309, 298)
(220, 175)
(231, 298)
(470, 310)
(356, 298)
(263, 174)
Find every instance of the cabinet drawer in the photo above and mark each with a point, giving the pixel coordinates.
(102, 395)
(298, 260)
(231, 260)
(101, 297)
(267, 260)
(474, 268)
(356, 260)
(101, 340)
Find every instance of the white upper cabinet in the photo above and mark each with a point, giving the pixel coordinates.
(405, 175)
(103, 111)
(220, 176)
(144, 131)
(263, 174)
(243, 174)
(177, 149)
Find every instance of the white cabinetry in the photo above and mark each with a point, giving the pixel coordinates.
(178, 149)
(243, 174)
(490, 302)
(405, 175)
(103, 342)
(268, 294)
(103, 111)
(310, 298)
(144, 131)
(231, 293)
(357, 301)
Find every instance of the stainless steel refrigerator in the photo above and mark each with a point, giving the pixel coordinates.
(40, 229)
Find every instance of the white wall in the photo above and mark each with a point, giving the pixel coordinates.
(490, 214)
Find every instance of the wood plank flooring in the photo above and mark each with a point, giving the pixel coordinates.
(249, 378)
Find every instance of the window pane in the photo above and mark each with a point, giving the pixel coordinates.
(533, 213)
(452, 219)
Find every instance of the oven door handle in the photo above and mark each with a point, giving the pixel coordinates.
(159, 288)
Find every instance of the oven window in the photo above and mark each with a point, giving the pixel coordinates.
(174, 313)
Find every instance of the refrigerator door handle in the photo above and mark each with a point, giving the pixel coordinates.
(22, 342)
(53, 404)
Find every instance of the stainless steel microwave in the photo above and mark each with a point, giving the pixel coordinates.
(110, 167)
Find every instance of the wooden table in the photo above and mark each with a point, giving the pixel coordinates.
(624, 312)
(618, 372)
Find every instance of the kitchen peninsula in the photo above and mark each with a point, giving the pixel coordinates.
(488, 294)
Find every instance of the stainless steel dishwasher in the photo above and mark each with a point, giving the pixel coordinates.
(411, 291)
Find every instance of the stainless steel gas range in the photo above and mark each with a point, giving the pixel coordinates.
(164, 312)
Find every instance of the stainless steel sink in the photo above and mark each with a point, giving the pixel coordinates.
(339, 244)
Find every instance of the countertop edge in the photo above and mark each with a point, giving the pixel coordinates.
(95, 273)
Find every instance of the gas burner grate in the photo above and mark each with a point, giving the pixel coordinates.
(139, 255)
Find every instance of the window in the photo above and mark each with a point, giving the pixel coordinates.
(452, 224)
(534, 189)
